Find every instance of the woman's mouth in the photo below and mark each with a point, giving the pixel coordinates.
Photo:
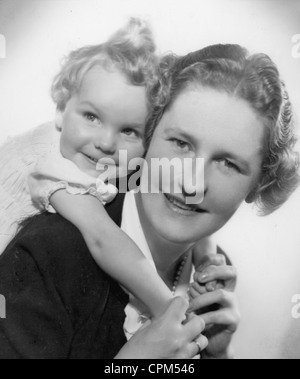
(178, 206)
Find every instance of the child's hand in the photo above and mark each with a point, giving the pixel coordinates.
(203, 252)
(168, 337)
(206, 277)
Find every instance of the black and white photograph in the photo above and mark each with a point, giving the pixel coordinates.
(149, 181)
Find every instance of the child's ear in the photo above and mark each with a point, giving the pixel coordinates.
(59, 119)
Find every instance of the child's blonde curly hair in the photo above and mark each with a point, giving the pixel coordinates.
(256, 80)
(131, 50)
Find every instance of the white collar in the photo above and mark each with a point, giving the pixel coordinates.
(131, 225)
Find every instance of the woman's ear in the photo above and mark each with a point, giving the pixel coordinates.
(59, 119)
(251, 197)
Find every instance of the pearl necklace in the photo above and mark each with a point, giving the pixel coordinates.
(179, 273)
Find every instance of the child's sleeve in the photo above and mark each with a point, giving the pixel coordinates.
(53, 173)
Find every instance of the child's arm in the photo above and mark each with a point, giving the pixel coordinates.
(56, 182)
(203, 251)
(113, 250)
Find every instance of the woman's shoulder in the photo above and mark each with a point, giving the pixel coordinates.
(50, 230)
(57, 248)
(50, 250)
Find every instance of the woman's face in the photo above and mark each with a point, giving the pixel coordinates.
(228, 134)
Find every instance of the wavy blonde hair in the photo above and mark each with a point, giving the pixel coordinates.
(131, 50)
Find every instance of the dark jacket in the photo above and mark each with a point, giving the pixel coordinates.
(59, 303)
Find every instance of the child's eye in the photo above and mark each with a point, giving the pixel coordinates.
(229, 165)
(91, 117)
(130, 132)
(182, 145)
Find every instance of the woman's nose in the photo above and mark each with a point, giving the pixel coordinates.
(193, 184)
(193, 194)
(106, 141)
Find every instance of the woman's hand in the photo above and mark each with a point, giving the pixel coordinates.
(221, 321)
(169, 336)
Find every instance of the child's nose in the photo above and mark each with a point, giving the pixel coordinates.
(106, 141)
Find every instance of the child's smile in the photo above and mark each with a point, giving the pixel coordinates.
(106, 115)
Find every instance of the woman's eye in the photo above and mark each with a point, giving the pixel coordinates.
(229, 165)
(182, 145)
(91, 117)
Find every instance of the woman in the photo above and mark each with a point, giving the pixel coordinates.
(218, 104)
(231, 109)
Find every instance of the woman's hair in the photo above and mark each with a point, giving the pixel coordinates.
(131, 50)
(255, 79)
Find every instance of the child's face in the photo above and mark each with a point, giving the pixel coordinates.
(106, 115)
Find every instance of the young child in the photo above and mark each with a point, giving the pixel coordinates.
(103, 96)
